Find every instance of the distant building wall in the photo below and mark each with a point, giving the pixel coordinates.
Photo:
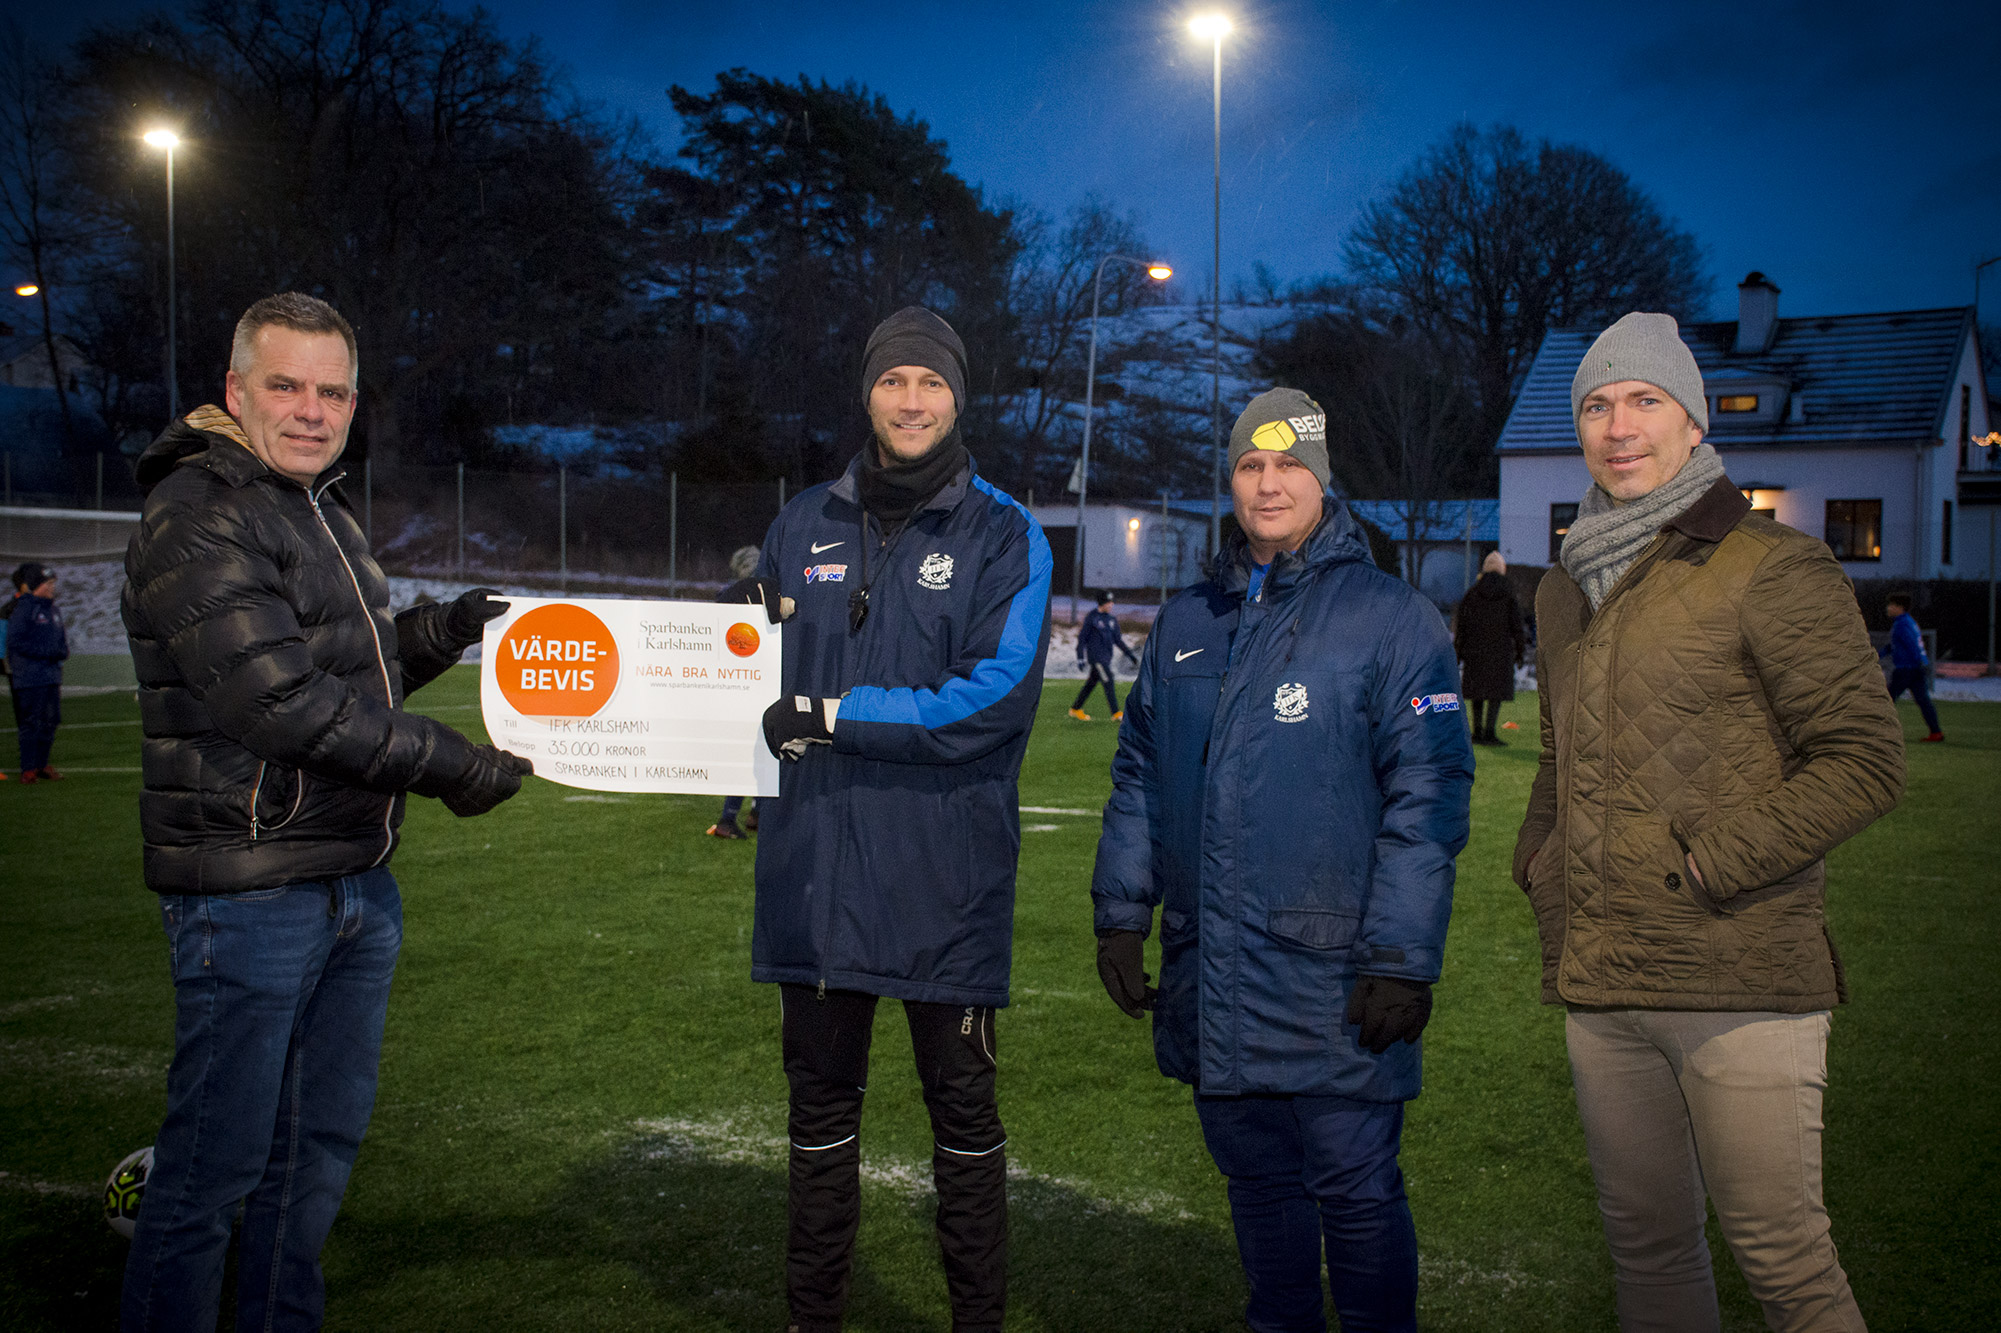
(1125, 546)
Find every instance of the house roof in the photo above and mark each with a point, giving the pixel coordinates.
(1863, 379)
(17, 345)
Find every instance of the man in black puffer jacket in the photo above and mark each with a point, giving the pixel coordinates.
(276, 756)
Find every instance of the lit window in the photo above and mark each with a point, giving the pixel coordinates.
(1855, 529)
(1737, 402)
(1560, 519)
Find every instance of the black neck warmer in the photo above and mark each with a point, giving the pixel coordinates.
(894, 493)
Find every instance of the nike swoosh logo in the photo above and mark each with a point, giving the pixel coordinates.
(817, 547)
(1190, 653)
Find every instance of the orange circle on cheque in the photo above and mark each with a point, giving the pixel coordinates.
(742, 639)
(557, 661)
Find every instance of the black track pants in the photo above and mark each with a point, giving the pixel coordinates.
(1100, 673)
(826, 1043)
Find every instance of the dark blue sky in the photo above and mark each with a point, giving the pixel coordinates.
(1851, 151)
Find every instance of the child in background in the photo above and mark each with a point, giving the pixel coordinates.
(1906, 651)
(37, 645)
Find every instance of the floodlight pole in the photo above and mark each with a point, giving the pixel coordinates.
(1992, 670)
(173, 376)
(1216, 321)
(1084, 461)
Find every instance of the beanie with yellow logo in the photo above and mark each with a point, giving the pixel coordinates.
(1283, 421)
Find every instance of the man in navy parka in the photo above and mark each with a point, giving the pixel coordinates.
(886, 867)
(1290, 790)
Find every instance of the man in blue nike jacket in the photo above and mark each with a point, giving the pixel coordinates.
(1290, 790)
(913, 666)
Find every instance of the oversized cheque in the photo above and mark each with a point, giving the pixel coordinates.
(634, 696)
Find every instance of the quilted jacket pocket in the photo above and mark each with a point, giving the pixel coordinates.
(1312, 928)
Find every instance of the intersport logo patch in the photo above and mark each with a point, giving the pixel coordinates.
(826, 573)
(1435, 703)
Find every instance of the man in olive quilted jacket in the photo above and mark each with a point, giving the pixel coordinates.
(1713, 724)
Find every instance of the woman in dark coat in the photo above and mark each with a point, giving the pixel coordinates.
(1490, 640)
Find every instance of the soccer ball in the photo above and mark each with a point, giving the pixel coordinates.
(124, 1190)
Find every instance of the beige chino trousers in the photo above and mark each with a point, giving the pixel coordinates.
(1677, 1104)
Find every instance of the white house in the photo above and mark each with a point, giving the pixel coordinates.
(24, 360)
(1125, 546)
(1857, 429)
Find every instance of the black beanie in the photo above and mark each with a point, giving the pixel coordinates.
(913, 336)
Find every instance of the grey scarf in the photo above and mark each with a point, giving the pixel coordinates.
(1607, 537)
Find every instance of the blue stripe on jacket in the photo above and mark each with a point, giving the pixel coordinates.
(992, 678)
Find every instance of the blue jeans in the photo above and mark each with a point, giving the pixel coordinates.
(279, 999)
(1307, 1169)
(1913, 679)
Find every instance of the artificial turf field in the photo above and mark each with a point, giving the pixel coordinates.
(581, 1123)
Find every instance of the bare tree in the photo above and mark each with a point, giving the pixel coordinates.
(1052, 302)
(1491, 241)
(404, 160)
(37, 235)
(1401, 424)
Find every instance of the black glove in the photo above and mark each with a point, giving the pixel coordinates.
(485, 779)
(465, 618)
(795, 721)
(1119, 968)
(761, 592)
(1389, 1010)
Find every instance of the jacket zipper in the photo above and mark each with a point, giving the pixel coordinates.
(368, 616)
(257, 795)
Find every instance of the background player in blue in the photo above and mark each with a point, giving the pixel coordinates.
(913, 665)
(1290, 790)
(37, 647)
(1096, 638)
(1908, 660)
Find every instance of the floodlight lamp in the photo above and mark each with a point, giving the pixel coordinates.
(166, 139)
(1159, 272)
(1212, 26)
(1132, 525)
(27, 289)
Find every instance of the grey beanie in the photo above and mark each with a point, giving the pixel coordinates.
(1284, 421)
(913, 336)
(1643, 347)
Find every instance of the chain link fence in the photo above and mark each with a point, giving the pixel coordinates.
(566, 529)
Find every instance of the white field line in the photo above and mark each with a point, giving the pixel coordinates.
(1459, 1273)
(21, 1056)
(738, 1142)
(36, 1005)
(8, 1180)
(1055, 810)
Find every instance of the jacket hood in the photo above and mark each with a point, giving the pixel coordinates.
(1338, 540)
(198, 431)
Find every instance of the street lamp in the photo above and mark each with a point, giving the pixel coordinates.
(27, 289)
(167, 141)
(1215, 27)
(1159, 272)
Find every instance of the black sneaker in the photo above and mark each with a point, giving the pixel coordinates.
(726, 828)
